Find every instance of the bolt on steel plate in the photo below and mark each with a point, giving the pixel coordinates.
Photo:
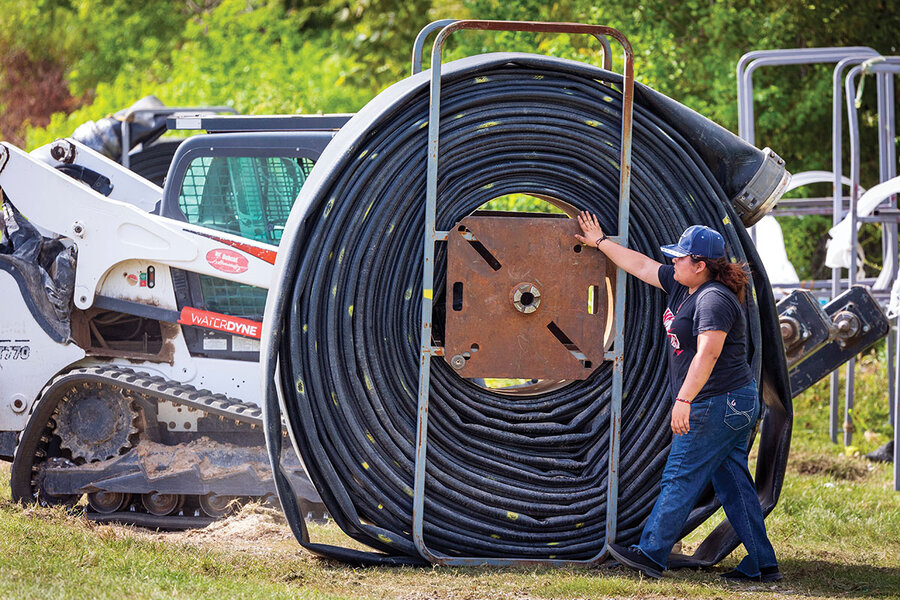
(525, 300)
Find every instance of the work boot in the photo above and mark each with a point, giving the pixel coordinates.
(634, 558)
(766, 574)
(883, 454)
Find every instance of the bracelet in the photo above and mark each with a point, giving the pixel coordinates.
(682, 400)
(600, 239)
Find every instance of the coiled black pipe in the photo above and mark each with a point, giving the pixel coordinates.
(521, 477)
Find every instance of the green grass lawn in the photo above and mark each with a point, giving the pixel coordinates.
(836, 530)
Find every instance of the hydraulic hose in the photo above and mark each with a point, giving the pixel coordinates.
(511, 476)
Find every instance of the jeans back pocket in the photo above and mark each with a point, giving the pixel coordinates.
(741, 408)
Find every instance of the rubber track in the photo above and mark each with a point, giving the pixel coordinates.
(166, 390)
(159, 388)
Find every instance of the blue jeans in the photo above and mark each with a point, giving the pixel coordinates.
(714, 449)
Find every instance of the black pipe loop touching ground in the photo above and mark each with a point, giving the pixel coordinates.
(521, 477)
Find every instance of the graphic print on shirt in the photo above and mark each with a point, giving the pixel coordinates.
(668, 318)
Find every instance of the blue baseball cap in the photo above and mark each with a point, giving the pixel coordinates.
(698, 240)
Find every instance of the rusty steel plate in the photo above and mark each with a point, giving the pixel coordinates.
(525, 300)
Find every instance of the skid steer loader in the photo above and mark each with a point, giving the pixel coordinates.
(129, 336)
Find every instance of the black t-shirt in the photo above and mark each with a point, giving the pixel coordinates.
(712, 307)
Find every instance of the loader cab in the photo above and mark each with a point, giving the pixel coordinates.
(245, 184)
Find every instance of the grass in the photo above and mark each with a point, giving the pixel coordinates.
(836, 530)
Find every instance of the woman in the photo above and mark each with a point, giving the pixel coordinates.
(716, 403)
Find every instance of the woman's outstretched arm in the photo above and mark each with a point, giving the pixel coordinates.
(632, 262)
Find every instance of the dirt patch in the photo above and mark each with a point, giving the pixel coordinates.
(255, 528)
(840, 467)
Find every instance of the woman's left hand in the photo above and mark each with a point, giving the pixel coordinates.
(681, 418)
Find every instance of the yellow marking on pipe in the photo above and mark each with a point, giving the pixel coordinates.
(363, 153)
(409, 491)
(365, 465)
(374, 154)
(538, 77)
(330, 255)
(305, 328)
(607, 98)
(370, 437)
(385, 539)
(368, 382)
(552, 543)
(487, 124)
(592, 123)
(726, 220)
(316, 345)
(511, 515)
(300, 388)
(390, 229)
(341, 255)
(380, 507)
(487, 186)
(350, 310)
(328, 208)
(579, 525)
(459, 115)
(408, 294)
(334, 290)
(482, 79)
(495, 536)
(368, 208)
(334, 398)
(423, 125)
(428, 293)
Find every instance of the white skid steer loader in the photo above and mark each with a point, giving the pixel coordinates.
(129, 336)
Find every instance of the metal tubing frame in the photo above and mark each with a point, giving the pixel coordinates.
(844, 57)
(884, 67)
(886, 170)
(419, 45)
(751, 61)
(432, 235)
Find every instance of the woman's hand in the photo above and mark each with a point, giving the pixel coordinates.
(590, 227)
(681, 418)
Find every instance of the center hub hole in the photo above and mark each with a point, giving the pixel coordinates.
(527, 298)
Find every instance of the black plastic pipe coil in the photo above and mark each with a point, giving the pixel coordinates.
(520, 477)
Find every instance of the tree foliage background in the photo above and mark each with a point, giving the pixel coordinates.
(67, 61)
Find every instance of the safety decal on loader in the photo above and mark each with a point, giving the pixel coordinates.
(220, 322)
(227, 261)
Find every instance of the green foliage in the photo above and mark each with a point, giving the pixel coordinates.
(237, 55)
(334, 55)
(804, 241)
(869, 414)
(521, 203)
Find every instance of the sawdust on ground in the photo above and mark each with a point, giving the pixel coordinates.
(255, 528)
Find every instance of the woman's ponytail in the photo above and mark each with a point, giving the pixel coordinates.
(735, 276)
